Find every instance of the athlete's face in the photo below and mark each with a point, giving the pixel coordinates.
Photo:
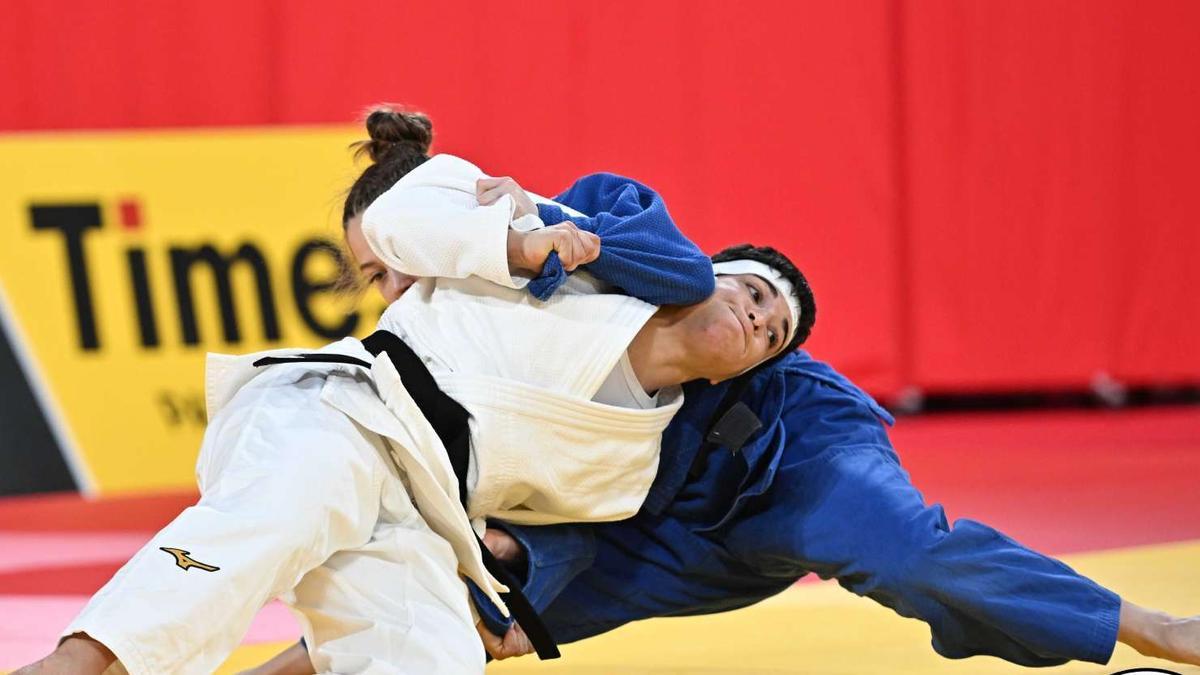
(390, 283)
(743, 323)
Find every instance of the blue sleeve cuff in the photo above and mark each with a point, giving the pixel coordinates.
(555, 554)
(1108, 624)
(489, 613)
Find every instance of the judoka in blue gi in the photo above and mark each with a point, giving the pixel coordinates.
(815, 488)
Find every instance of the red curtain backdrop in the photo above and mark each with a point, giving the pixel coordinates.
(986, 195)
(1051, 202)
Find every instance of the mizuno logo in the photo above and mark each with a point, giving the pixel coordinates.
(185, 561)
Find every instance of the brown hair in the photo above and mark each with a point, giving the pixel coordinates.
(399, 142)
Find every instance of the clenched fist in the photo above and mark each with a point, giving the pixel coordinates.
(527, 251)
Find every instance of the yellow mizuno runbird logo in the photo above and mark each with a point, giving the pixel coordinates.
(185, 561)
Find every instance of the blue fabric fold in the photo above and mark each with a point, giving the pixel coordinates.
(642, 252)
(552, 276)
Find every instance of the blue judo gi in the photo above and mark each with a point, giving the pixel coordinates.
(817, 490)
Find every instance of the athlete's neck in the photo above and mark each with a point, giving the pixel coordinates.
(659, 353)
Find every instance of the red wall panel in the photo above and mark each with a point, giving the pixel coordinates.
(985, 195)
(1050, 227)
(1158, 314)
(131, 64)
(726, 112)
(772, 126)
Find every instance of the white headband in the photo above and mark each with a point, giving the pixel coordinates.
(771, 276)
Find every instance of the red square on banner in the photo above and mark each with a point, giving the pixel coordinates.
(131, 214)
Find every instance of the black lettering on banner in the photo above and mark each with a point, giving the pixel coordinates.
(182, 262)
(140, 283)
(182, 408)
(194, 410)
(304, 288)
(170, 410)
(73, 220)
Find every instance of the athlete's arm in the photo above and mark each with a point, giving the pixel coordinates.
(430, 224)
(502, 638)
(981, 593)
(642, 251)
(445, 219)
(544, 558)
(1160, 635)
(529, 251)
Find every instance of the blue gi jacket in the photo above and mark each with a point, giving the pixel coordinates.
(820, 490)
(642, 252)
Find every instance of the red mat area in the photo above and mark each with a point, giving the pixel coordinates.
(69, 512)
(1060, 482)
(66, 580)
(1063, 482)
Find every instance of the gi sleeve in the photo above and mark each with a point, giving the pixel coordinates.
(432, 225)
(554, 555)
(642, 252)
(842, 506)
(488, 612)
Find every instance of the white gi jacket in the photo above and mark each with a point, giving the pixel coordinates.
(542, 451)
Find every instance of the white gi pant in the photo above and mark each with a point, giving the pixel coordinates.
(297, 502)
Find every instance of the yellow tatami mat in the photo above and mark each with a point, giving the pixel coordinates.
(822, 629)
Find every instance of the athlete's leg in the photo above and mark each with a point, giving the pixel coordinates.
(286, 482)
(393, 605)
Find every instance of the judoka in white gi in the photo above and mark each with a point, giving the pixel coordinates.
(324, 485)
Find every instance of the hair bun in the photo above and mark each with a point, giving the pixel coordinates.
(395, 132)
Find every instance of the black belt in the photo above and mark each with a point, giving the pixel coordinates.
(450, 421)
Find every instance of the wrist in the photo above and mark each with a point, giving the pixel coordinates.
(516, 555)
(517, 262)
(1142, 629)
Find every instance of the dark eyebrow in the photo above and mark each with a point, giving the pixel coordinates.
(774, 291)
(363, 266)
(786, 328)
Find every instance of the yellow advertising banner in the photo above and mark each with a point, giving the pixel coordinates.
(127, 256)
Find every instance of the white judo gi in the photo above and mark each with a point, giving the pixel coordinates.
(323, 484)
